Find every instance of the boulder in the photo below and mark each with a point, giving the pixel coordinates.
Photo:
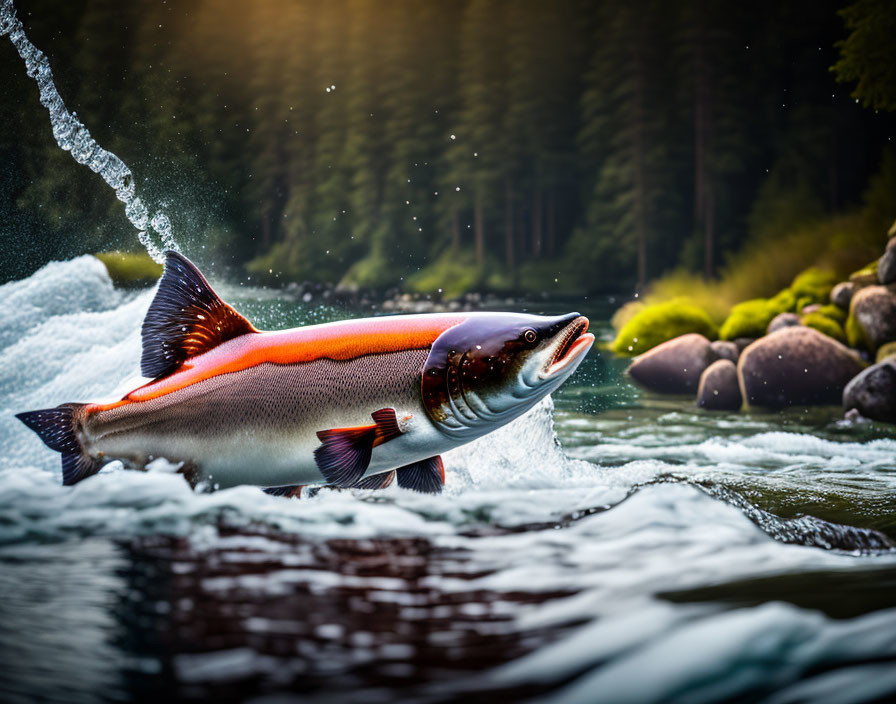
(841, 294)
(873, 392)
(725, 350)
(874, 309)
(782, 320)
(743, 342)
(886, 266)
(719, 390)
(811, 308)
(795, 366)
(674, 366)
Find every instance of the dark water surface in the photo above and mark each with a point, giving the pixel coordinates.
(609, 546)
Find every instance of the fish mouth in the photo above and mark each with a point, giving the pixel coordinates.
(573, 343)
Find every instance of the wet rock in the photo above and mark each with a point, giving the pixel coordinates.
(795, 366)
(743, 342)
(886, 266)
(811, 308)
(874, 309)
(783, 320)
(873, 392)
(842, 293)
(725, 350)
(719, 389)
(674, 366)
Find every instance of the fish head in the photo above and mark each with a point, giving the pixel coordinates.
(493, 367)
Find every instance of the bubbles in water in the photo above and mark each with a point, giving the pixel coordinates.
(72, 136)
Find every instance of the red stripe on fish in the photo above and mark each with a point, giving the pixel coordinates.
(338, 341)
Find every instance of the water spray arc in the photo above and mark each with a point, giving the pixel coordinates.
(72, 136)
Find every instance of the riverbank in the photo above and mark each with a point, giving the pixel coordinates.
(817, 341)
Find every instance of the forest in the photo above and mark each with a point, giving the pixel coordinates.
(567, 146)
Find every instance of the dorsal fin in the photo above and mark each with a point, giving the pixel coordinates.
(186, 318)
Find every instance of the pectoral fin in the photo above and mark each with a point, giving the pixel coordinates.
(344, 453)
(426, 476)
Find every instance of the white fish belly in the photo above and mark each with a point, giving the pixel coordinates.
(259, 426)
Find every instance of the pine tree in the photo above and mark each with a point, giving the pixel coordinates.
(415, 132)
(620, 137)
(479, 154)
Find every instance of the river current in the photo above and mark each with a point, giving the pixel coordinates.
(608, 546)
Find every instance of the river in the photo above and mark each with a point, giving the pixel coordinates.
(609, 545)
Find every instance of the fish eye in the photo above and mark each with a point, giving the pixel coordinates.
(530, 336)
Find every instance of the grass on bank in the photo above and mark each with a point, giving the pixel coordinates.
(129, 269)
(767, 278)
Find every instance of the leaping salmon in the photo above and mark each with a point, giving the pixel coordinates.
(356, 403)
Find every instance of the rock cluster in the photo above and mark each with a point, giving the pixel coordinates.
(801, 359)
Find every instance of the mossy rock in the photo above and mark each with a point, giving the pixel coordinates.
(834, 313)
(130, 269)
(866, 276)
(885, 351)
(855, 335)
(785, 301)
(813, 284)
(749, 319)
(660, 322)
(824, 325)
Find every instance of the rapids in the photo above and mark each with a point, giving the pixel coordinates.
(606, 545)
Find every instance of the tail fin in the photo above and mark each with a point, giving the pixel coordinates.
(56, 427)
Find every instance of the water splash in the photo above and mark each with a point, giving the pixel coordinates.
(72, 136)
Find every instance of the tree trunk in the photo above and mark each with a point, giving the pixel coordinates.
(709, 215)
(699, 127)
(709, 234)
(266, 230)
(552, 224)
(478, 233)
(508, 229)
(536, 223)
(704, 202)
(640, 188)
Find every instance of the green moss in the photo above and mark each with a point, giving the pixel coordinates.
(824, 325)
(660, 322)
(751, 318)
(834, 313)
(748, 319)
(130, 268)
(783, 302)
(886, 350)
(626, 313)
(855, 335)
(866, 276)
(454, 273)
(814, 284)
(802, 303)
